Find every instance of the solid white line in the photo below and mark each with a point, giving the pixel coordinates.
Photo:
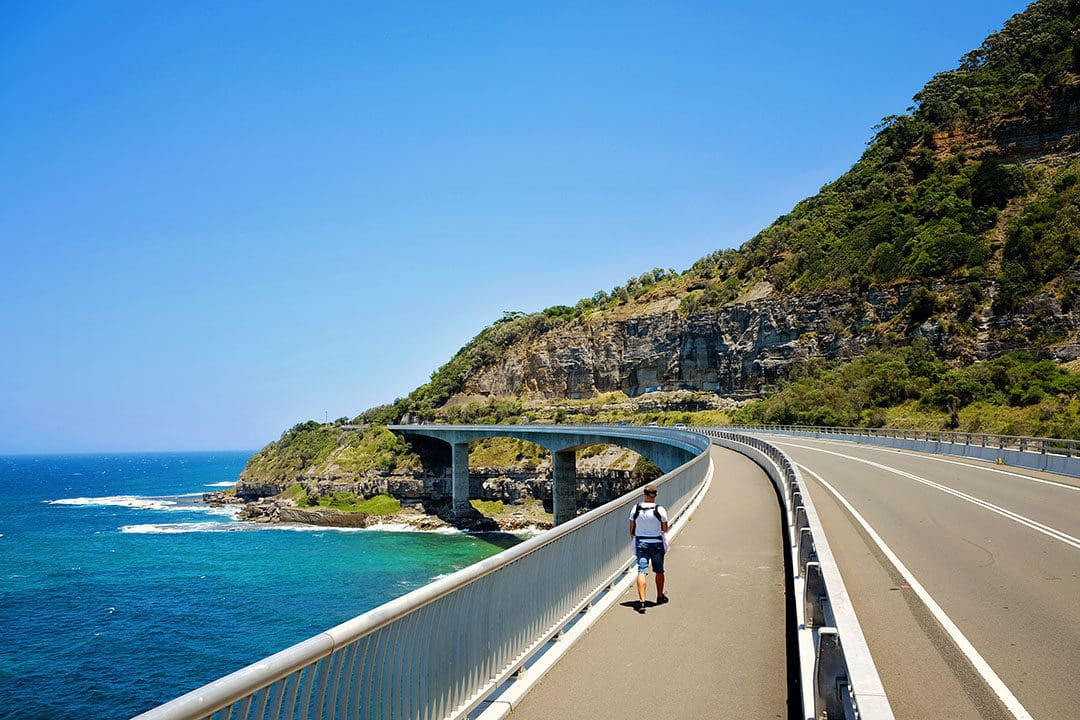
(1009, 514)
(936, 458)
(981, 666)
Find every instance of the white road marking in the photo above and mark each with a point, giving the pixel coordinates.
(930, 456)
(981, 666)
(1009, 514)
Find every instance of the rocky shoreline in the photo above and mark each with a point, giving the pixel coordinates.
(414, 515)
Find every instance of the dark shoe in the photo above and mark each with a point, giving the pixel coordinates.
(640, 607)
(662, 599)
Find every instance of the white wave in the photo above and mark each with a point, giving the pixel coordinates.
(216, 527)
(528, 532)
(227, 483)
(242, 526)
(179, 503)
(406, 528)
(230, 511)
(179, 528)
(128, 501)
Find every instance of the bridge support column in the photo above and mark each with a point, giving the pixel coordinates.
(460, 477)
(564, 485)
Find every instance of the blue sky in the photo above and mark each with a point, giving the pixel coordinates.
(220, 219)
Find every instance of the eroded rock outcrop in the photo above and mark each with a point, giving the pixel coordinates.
(741, 348)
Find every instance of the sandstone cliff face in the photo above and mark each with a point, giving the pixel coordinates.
(738, 349)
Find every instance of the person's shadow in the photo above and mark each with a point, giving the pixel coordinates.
(633, 604)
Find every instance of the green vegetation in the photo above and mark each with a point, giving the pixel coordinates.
(301, 446)
(532, 509)
(381, 504)
(1042, 243)
(1014, 394)
(297, 493)
(488, 507)
(353, 448)
(377, 449)
(506, 453)
(350, 502)
(922, 201)
(487, 347)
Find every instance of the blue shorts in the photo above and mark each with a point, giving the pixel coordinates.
(649, 551)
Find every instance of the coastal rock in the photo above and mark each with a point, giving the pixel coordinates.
(415, 516)
(328, 517)
(220, 497)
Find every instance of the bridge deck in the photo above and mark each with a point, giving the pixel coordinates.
(717, 649)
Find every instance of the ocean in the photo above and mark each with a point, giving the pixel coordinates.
(120, 590)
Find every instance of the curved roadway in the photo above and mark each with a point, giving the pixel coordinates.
(717, 650)
(995, 549)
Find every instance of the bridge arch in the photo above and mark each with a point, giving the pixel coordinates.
(667, 449)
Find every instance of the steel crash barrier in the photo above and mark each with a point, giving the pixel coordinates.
(838, 675)
(441, 650)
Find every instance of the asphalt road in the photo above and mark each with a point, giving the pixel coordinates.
(997, 548)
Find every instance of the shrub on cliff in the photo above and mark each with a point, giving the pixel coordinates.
(380, 450)
(862, 392)
(301, 446)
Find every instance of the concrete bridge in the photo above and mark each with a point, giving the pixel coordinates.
(977, 622)
(668, 450)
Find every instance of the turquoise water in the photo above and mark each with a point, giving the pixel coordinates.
(119, 590)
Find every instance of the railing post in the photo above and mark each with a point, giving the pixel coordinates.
(806, 549)
(814, 595)
(830, 676)
(800, 521)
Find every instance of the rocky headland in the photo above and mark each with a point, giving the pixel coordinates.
(512, 504)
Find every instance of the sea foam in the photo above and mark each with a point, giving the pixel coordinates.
(179, 528)
(217, 527)
(128, 501)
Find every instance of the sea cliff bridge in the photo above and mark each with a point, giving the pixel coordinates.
(843, 574)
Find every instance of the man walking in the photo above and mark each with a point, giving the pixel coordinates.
(648, 524)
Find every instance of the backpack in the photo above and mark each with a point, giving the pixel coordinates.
(655, 511)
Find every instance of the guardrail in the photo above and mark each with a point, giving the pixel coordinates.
(1037, 453)
(838, 675)
(440, 650)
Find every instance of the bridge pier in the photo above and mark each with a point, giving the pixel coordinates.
(666, 449)
(460, 477)
(564, 485)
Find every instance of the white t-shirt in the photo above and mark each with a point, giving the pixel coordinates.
(646, 524)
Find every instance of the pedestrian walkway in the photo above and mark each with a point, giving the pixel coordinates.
(717, 649)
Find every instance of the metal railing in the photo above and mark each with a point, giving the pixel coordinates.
(438, 651)
(838, 675)
(1037, 453)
